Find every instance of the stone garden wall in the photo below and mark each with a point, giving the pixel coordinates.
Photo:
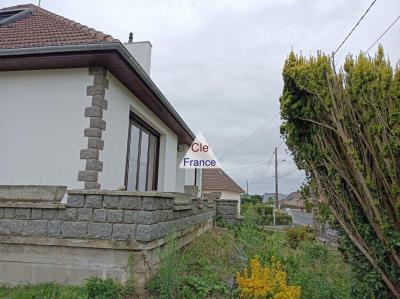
(115, 234)
(227, 210)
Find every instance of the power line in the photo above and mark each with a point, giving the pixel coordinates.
(387, 29)
(256, 164)
(287, 174)
(246, 167)
(355, 26)
(248, 137)
(262, 176)
(290, 169)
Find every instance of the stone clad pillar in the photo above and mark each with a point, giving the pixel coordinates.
(97, 125)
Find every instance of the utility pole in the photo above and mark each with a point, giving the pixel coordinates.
(276, 179)
(247, 187)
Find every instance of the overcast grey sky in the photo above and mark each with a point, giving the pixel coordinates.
(219, 62)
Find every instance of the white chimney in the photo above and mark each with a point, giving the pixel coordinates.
(141, 51)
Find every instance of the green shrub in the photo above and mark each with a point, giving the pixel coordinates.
(167, 281)
(245, 207)
(320, 273)
(297, 234)
(267, 220)
(264, 209)
(47, 291)
(282, 218)
(97, 288)
(201, 287)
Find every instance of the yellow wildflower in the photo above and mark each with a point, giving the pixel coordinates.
(265, 282)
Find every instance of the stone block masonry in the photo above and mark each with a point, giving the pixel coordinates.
(227, 210)
(90, 175)
(94, 233)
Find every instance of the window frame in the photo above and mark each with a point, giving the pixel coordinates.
(142, 125)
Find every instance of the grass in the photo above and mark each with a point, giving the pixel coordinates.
(42, 291)
(94, 288)
(204, 268)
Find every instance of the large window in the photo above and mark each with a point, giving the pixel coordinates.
(142, 157)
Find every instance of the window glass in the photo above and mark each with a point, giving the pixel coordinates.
(144, 149)
(133, 157)
(142, 167)
(151, 175)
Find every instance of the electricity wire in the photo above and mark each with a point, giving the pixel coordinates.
(387, 29)
(355, 26)
(248, 137)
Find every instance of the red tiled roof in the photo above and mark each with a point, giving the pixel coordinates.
(43, 28)
(218, 180)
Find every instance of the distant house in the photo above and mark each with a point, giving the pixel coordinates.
(78, 108)
(293, 201)
(216, 180)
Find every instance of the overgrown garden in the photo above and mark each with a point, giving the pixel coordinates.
(248, 261)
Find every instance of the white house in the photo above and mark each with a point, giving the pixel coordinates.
(78, 108)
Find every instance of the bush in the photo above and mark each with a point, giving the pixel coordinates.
(297, 234)
(265, 282)
(282, 218)
(47, 291)
(264, 209)
(246, 206)
(97, 288)
(202, 287)
(267, 220)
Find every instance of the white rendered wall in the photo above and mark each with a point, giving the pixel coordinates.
(184, 176)
(230, 195)
(180, 172)
(120, 102)
(189, 176)
(200, 181)
(41, 126)
(141, 51)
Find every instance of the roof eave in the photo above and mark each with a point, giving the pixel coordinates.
(116, 46)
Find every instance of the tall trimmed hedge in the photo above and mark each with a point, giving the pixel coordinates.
(343, 129)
